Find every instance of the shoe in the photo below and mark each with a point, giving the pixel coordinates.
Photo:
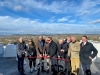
(31, 70)
(19, 71)
(35, 68)
(47, 71)
(23, 74)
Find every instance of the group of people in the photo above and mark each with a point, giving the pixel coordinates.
(69, 49)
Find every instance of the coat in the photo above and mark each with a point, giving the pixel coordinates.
(86, 51)
(66, 47)
(46, 46)
(21, 48)
(74, 49)
(31, 52)
(52, 50)
(59, 47)
(39, 47)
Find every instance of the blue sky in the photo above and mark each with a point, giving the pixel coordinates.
(49, 16)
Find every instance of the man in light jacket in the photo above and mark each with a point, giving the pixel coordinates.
(73, 53)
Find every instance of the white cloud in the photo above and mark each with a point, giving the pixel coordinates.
(18, 8)
(13, 25)
(10, 22)
(95, 22)
(83, 13)
(52, 19)
(72, 21)
(55, 6)
(62, 19)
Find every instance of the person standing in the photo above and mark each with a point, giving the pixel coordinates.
(61, 54)
(66, 47)
(31, 54)
(52, 53)
(39, 49)
(46, 46)
(87, 53)
(60, 51)
(45, 53)
(73, 53)
(21, 51)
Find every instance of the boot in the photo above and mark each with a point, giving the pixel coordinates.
(31, 70)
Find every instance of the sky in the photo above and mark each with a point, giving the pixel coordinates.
(49, 17)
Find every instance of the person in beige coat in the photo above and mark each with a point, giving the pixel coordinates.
(73, 53)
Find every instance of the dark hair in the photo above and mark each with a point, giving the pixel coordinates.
(50, 38)
(84, 36)
(33, 44)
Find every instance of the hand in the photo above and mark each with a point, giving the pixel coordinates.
(62, 50)
(30, 56)
(43, 54)
(90, 57)
(25, 52)
(58, 56)
(48, 56)
(40, 55)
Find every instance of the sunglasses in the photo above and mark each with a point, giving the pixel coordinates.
(48, 40)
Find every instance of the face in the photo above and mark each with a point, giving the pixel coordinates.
(29, 42)
(21, 40)
(84, 39)
(73, 39)
(40, 38)
(68, 39)
(46, 39)
(49, 40)
(60, 41)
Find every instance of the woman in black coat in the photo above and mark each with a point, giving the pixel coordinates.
(31, 53)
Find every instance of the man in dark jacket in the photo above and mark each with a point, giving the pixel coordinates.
(66, 47)
(60, 51)
(21, 51)
(61, 54)
(52, 52)
(87, 53)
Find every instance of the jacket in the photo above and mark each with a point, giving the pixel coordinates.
(66, 47)
(21, 48)
(39, 47)
(52, 50)
(86, 51)
(74, 49)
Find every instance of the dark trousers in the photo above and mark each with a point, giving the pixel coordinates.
(68, 66)
(86, 69)
(20, 64)
(53, 64)
(67, 63)
(32, 61)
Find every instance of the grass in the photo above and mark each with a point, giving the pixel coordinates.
(14, 38)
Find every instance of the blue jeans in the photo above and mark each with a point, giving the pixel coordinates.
(86, 69)
(20, 64)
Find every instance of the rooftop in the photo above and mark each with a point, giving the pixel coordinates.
(8, 66)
